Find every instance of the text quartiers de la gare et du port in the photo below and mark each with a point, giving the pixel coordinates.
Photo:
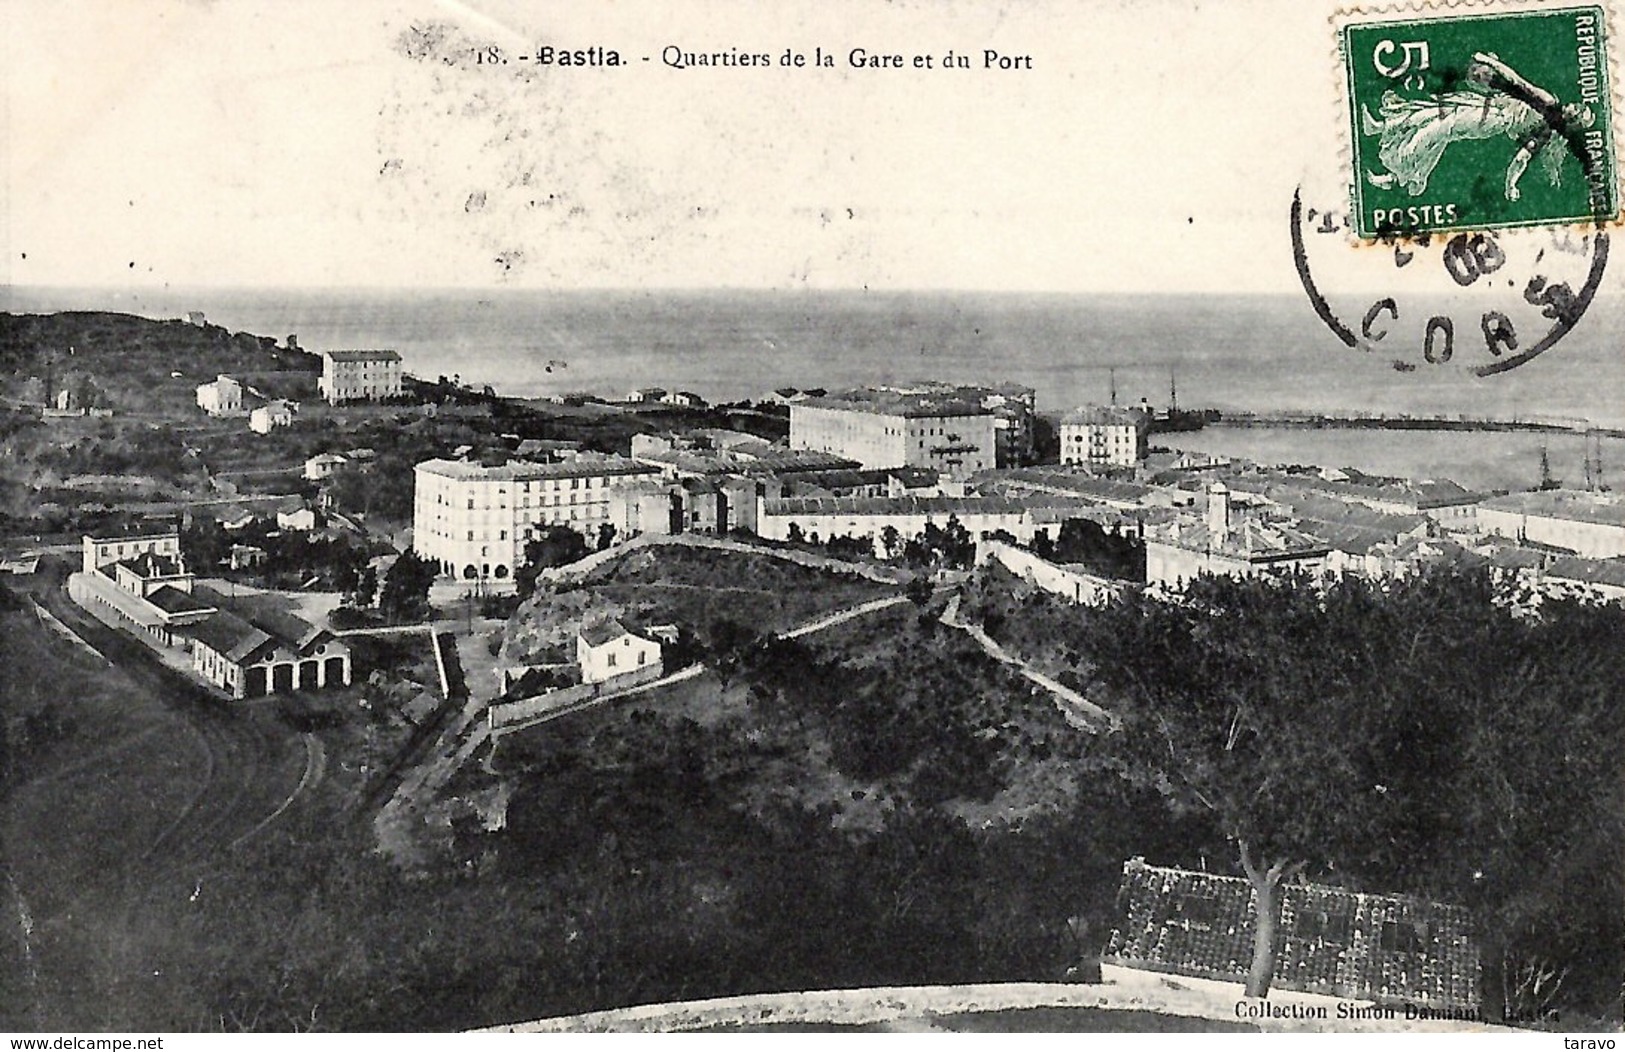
(675, 56)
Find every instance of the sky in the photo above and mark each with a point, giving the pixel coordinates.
(1151, 146)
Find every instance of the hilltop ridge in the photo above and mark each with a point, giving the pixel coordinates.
(136, 364)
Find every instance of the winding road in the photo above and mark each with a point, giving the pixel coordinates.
(1077, 709)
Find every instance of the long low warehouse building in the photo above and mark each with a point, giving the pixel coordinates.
(820, 518)
(1589, 524)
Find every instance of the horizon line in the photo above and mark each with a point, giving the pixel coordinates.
(631, 289)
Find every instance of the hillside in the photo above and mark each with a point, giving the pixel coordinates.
(697, 588)
(133, 364)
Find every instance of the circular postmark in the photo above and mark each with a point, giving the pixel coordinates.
(1485, 301)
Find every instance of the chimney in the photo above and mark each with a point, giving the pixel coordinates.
(1218, 511)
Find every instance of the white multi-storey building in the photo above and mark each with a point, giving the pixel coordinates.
(1109, 435)
(473, 520)
(104, 549)
(220, 396)
(360, 376)
(888, 431)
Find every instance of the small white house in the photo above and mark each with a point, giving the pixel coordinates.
(298, 519)
(322, 465)
(268, 417)
(220, 396)
(608, 649)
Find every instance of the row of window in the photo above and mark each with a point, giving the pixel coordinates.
(585, 511)
(576, 515)
(137, 547)
(524, 502)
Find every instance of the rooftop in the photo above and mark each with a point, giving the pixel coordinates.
(530, 446)
(249, 626)
(1589, 571)
(529, 470)
(1248, 539)
(1323, 507)
(932, 506)
(1069, 482)
(599, 633)
(1576, 505)
(897, 403)
(362, 356)
(1346, 537)
(1106, 414)
(857, 478)
(172, 600)
(135, 531)
(151, 564)
(1513, 557)
(226, 633)
(746, 455)
(1423, 494)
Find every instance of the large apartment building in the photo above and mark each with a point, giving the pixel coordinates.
(1013, 407)
(884, 429)
(360, 376)
(1104, 435)
(473, 519)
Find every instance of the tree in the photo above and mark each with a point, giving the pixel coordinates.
(606, 536)
(731, 644)
(405, 594)
(554, 546)
(1222, 713)
(1087, 543)
(206, 545)
(847, 547)
(891, 541)
(958, 546)
(1415, 736)
(362, 588)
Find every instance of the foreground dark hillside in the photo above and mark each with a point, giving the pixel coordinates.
(876, 804)
(1434, 735)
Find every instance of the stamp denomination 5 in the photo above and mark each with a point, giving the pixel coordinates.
(1479, 121)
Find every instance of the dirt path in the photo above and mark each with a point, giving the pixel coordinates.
(315, 769)
(842, 616)
(1078, 710)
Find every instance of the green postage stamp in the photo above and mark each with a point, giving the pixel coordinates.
(1480, 120)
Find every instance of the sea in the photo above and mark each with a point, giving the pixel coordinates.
(1231, 353)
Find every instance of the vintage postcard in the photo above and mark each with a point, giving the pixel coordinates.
(946, 517)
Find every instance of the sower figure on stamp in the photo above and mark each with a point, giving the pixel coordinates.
(1415, 132)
